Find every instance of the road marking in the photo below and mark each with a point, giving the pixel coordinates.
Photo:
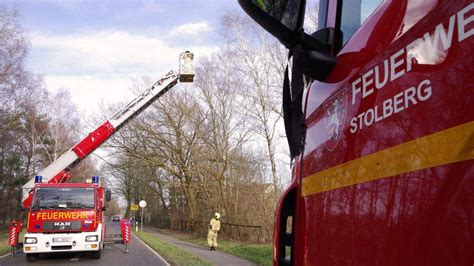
(152, 250)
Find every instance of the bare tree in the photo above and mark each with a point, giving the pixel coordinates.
(63, 127)
(262, 65)
(32, 133)
(213, 146)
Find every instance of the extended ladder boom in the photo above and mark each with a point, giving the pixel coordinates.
(57, 172)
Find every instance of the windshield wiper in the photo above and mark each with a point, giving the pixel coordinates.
(85, 206)
(47, 208)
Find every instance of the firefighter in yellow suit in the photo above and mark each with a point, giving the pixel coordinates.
(214, 226)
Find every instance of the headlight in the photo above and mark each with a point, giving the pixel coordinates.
(30, 240)
(92, 238)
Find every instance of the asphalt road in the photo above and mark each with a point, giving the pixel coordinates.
(113, 254)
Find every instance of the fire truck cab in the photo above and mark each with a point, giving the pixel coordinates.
(379, 119)
(66, 217)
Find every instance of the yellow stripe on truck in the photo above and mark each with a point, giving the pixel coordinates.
(448, 146)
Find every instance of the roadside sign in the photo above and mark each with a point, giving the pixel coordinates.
(134, 207)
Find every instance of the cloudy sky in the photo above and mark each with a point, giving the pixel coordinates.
(94, 48)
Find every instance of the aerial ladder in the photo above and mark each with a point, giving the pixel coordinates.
(58, 171)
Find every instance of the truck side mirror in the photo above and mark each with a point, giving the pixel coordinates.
(284, 20)
(20, 197)
(108, 195)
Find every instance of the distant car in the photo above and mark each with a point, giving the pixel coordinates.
(116, 218)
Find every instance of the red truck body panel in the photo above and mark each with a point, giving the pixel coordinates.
(94, 140)
(387, 176)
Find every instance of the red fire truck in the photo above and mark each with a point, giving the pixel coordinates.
(379, 119)
(67, 217)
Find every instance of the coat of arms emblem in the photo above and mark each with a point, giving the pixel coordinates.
(335, 114)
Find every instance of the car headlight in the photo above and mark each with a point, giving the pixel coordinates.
(31, 240)
(92, 238)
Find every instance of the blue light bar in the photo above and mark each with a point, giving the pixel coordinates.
(95, 179)
(38, 179)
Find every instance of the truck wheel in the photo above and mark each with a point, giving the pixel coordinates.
(95, 255)
(32, 257)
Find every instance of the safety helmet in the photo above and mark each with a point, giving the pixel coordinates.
(217, 215)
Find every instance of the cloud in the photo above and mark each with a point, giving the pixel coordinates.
(90, 91)
(97, 66)
(106, 52)
(101, 52)
(194, 28)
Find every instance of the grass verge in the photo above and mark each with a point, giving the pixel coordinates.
(171, 253)
(261, 254)
(4, 247)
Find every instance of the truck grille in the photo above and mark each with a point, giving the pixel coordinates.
(62, 226)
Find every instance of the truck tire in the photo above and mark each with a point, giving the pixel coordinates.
(95, 255)
(32, 257)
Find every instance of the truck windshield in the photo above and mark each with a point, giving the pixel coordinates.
(64, 198)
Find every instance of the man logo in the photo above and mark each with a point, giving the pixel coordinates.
(334, 116)
(62, 225)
